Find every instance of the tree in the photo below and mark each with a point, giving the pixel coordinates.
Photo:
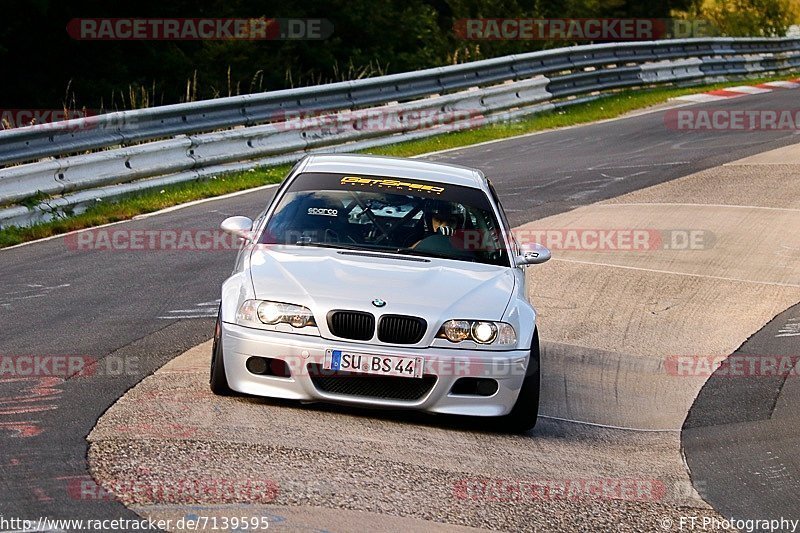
(754, 18)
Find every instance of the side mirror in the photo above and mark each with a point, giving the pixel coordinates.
(533, 254)
(238, 226)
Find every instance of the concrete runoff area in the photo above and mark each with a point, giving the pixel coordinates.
(606, 453)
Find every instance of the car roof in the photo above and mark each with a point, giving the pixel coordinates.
(394, 167)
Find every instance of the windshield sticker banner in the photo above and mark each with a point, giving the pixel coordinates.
(392, 183)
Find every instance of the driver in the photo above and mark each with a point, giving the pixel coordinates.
(441, 225)
(439, 218)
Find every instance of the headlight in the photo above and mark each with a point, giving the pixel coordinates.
(456, 330)
(480, 331)
(270, 312)
(484, 332)
(257, 312)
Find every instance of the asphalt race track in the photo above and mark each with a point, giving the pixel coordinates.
(132, 312)
(741, 434)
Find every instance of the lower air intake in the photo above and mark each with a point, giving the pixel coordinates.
(366, 386)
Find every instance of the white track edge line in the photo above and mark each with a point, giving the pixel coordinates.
(607, 426)
(679, 204)
(688, 274)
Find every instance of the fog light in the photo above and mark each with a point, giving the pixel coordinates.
(257, 365)
(474, 387)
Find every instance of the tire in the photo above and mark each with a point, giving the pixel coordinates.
(218, 381)
(523, 415)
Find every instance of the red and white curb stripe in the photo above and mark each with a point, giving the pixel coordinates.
(744, 90)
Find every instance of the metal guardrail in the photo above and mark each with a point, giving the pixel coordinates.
(79, 161)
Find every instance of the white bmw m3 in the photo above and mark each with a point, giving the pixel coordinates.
(382, 282)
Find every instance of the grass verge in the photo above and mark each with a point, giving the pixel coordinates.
(129, 206)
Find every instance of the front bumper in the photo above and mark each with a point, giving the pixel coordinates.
(447, 365)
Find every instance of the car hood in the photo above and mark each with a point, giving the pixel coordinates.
(434, 289)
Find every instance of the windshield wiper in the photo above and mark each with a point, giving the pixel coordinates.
(379, 249)
(344, 246)
(439, 255)
(330, 245)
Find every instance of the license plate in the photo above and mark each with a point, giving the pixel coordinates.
(382, 365)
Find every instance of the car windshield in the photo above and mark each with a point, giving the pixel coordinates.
(393, 215)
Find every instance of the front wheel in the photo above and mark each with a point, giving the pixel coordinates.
(218, 380)
(523, 415)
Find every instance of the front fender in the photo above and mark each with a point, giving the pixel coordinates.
(235, 290)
